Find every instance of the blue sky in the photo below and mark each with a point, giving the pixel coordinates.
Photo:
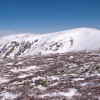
(45, 16)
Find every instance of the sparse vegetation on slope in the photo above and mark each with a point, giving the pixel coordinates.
(66, 76)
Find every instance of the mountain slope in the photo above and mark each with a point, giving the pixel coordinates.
(58, 42)
(67, 76)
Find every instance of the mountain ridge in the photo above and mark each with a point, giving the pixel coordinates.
(19, 45)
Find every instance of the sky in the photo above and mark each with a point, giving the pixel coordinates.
(46, 16)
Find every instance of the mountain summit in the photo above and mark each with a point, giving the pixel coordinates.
(59, 42)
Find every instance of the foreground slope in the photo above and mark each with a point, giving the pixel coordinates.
(58, 42)
(67, 76)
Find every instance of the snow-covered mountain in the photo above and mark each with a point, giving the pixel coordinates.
(59, 42)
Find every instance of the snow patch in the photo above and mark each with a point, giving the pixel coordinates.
(78, 79)
(24, 69)
(7, 95)
(2, 80)
(69, 94)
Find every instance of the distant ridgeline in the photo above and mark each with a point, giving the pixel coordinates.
(21, 45)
